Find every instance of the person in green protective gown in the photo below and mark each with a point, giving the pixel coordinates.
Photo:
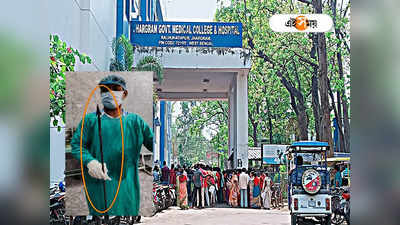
(136, 133)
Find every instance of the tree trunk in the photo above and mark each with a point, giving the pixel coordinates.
(254, 125)
(340, 128)
(339, 104)
(314, 91)
(302, 120)
(298, 107)
(346, 123)
(269, 123)
(326, 129)
(343, 141)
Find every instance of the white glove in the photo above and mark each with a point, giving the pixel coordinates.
(95, 170)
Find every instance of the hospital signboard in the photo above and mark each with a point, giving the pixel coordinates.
(186, 34)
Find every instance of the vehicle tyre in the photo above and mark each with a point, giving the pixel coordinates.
(79, 220)
(96, 220)
(327, 220)
(115, 221)
(293, 219)
(347, 218)
(335, 204)
(337, 218)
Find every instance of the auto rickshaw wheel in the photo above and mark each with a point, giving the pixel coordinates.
(293, 219)
(328, 220)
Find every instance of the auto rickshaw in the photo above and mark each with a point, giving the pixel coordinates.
(309, 195)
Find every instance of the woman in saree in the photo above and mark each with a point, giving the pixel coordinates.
(227, 187)
(234, 191)
(182, 190)
(256, 200)
(250, 187)
(266, 193)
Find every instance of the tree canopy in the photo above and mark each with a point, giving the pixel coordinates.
(298, 83)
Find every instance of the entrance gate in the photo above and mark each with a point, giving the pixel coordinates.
(208, 74)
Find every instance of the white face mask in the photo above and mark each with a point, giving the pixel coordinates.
(108, 100)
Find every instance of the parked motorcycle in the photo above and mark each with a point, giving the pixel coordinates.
(345, 205)
(340, 206)
(158, 197)
(164, 196)
(172, 194)
(57, 205)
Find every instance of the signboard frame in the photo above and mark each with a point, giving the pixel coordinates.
(186, 34)
(268, 160)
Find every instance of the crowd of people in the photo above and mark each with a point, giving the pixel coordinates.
(203, 186)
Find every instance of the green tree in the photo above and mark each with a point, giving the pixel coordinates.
(62, 58)
(122, 50)
(150, 63)
(302, 63)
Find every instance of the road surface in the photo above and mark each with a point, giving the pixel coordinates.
(218, 216)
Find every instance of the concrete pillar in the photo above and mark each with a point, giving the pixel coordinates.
(241, 123)
(235, 118)
(162, 132)
(156, 147)
(231, 122)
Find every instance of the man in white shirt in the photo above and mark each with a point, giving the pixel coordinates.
(244, 180)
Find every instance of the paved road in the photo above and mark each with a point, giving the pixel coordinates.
(218, 216)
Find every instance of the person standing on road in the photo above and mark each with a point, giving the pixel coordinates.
(243, 182)
(204, 186)
(164, 173)
(172, 176)
(251, 187)
(338, 177)
(212, 187)
(256, 202)
(156, 174)
(189, 182)
(238, 171)
(266, 193)
(233, 190)
(197, 183)
(220, 185)
(136, 133)
(182, 190)
(227, 185)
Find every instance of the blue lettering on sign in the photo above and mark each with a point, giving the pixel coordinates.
(185, 34)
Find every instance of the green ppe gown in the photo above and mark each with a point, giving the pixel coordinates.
(136, 133)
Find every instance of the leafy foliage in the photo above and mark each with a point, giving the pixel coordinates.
(61, 59)
(283, 100)
(150, 63)
(122, 51)
(192, 146)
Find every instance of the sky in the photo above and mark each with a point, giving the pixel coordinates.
(190, 10)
